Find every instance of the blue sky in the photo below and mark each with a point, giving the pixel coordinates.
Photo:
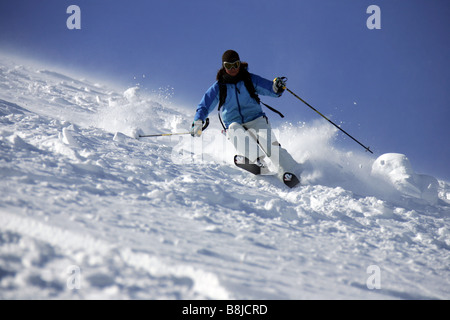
(390, 88)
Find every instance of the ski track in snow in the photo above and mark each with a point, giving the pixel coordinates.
(140, 219)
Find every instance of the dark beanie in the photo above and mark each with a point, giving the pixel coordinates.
(230, 56)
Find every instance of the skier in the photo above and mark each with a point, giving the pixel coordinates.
(247, 127)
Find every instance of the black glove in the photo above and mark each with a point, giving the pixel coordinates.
(279, 84)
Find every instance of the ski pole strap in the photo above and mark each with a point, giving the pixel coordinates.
(273, 109)
(206, 124)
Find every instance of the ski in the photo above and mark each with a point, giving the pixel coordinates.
(243, 163)
(290, 179)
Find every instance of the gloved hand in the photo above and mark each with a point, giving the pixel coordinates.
(196, 129)
(279, 84)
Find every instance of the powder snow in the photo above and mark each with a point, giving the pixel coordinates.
(88, 211)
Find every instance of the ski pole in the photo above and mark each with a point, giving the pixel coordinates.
(162, 134)
(172, 134)
(366, 148)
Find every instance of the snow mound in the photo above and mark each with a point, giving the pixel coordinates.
(396, 169)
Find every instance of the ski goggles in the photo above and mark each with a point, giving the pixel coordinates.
(231, 65)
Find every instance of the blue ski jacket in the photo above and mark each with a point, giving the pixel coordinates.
(239, 106)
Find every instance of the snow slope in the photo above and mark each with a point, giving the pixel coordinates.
(88, 212)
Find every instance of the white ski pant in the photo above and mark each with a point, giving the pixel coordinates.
(256, 140)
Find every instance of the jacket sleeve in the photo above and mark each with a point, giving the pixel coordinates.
(263, 86)
(208, 102)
